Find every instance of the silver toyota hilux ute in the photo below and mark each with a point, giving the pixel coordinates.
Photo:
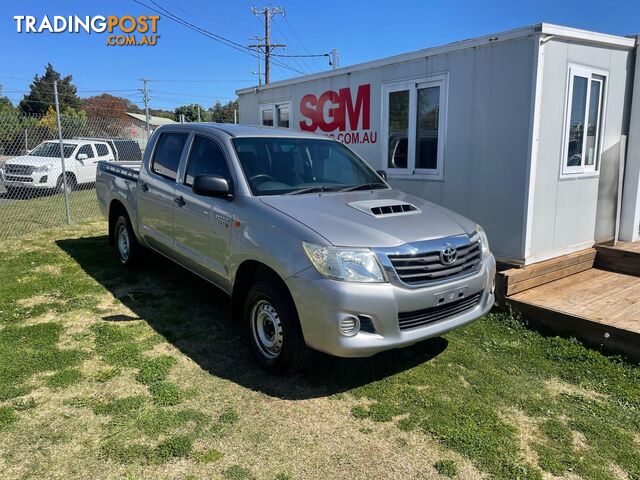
(317, 251)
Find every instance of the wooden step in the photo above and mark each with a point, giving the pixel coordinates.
(515, 280)
(623, 258)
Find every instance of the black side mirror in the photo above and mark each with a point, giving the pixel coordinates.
(212, 186)
(383, 174)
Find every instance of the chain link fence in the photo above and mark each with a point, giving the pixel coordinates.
(42, 179)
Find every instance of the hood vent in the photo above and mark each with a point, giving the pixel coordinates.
(384, 208)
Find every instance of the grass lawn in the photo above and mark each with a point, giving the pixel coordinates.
(108, 373)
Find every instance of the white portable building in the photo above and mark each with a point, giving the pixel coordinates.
(524, 131)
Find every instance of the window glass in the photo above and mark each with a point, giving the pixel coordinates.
(427, 127)
(87, 150)
(576, 125)
(102, 149)
(267, 117)
(398, 128)
(166, 157)
(275, 166)
(593, 122)
(206, 158)
(52, 150)
(283, 115)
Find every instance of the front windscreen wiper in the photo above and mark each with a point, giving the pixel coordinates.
(364, 186)
(316, 188)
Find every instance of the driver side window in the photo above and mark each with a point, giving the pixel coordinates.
(87, 150)
(206, 158)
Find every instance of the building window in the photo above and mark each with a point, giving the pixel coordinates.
(275, 114)
(414, 113)
(583, 127)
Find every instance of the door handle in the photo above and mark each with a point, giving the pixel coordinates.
(180, 201)
(143, 186)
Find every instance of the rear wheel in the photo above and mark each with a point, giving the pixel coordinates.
(128, 248)
(273, 328)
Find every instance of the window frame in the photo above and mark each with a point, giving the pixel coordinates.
(93, 151)
(152, 162)
(413, 85)
(187, 158)
(273, 106)
(589, 73)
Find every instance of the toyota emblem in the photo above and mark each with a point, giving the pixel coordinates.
(448, 256)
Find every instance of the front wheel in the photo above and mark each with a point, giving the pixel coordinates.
(273, 328)
(71, 184)
(129, 250)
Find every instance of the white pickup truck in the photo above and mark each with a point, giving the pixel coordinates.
(42, 167)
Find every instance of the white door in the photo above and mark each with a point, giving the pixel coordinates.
(85, 168)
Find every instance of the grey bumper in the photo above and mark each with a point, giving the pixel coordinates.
(322, 303)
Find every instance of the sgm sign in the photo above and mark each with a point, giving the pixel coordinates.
(337, 111)
(124, 27)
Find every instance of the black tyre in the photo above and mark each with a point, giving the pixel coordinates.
(127, 246)
(71, 184)
(273, 329)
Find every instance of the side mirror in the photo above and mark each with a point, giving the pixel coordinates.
(383, 174)
(212, 186)
(82, 156)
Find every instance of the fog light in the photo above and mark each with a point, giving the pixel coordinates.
(349, 326)
(43, 179)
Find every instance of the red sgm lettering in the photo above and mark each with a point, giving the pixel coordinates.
(332, 110)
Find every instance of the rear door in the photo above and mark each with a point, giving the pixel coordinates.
(156, 190)
(202, 224)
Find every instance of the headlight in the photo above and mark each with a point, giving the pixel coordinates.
(484, 241)
(344, 263)
(44, 168)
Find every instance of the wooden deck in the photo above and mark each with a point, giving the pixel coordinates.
(599, 305)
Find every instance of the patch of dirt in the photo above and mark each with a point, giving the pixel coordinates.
(558, 387)
(527, 432)
(38, 300)
(54, 270)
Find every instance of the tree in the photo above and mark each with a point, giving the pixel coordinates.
(223, 113)
(190, 113)
(40, 96)
(105, 106)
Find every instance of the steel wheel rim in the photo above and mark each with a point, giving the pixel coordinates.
(123, 242)
(266, 328)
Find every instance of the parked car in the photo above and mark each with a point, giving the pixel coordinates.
(313, 246)
(42, 167)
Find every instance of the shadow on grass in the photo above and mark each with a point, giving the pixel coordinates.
(196, 317)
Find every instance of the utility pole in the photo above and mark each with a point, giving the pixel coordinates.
(259, 49)
(267, 12)
(145, 99)
(335, 60)
(64, 169)
(198, 113)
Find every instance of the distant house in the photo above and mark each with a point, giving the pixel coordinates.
(136, 129)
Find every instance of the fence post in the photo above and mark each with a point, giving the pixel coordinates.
(64, 170)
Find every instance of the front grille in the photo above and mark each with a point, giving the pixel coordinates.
(420, 318)
(13, 178)
(19, 169)
(426, 267)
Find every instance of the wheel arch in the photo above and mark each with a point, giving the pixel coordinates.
(116, 208)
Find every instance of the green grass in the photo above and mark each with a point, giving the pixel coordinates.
(142, 373)
(38, 212)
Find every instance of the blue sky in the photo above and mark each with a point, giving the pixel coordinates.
(186, 67)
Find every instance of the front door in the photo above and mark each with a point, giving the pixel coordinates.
(156, 191)
(203, 224)
(85, 168)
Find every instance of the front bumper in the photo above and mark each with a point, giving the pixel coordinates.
(322, 303)
(34, 180)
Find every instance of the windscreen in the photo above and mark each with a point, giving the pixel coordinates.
(276, 166)
(51, 149)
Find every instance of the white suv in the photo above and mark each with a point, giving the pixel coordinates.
(42, 168)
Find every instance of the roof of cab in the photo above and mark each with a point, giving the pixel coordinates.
(237, 130)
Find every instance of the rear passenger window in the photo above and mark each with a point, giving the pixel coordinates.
(102, 149)
(166, 157)
(87, 150)
(206, 158)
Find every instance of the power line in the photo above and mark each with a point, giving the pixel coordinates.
(207, 33)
